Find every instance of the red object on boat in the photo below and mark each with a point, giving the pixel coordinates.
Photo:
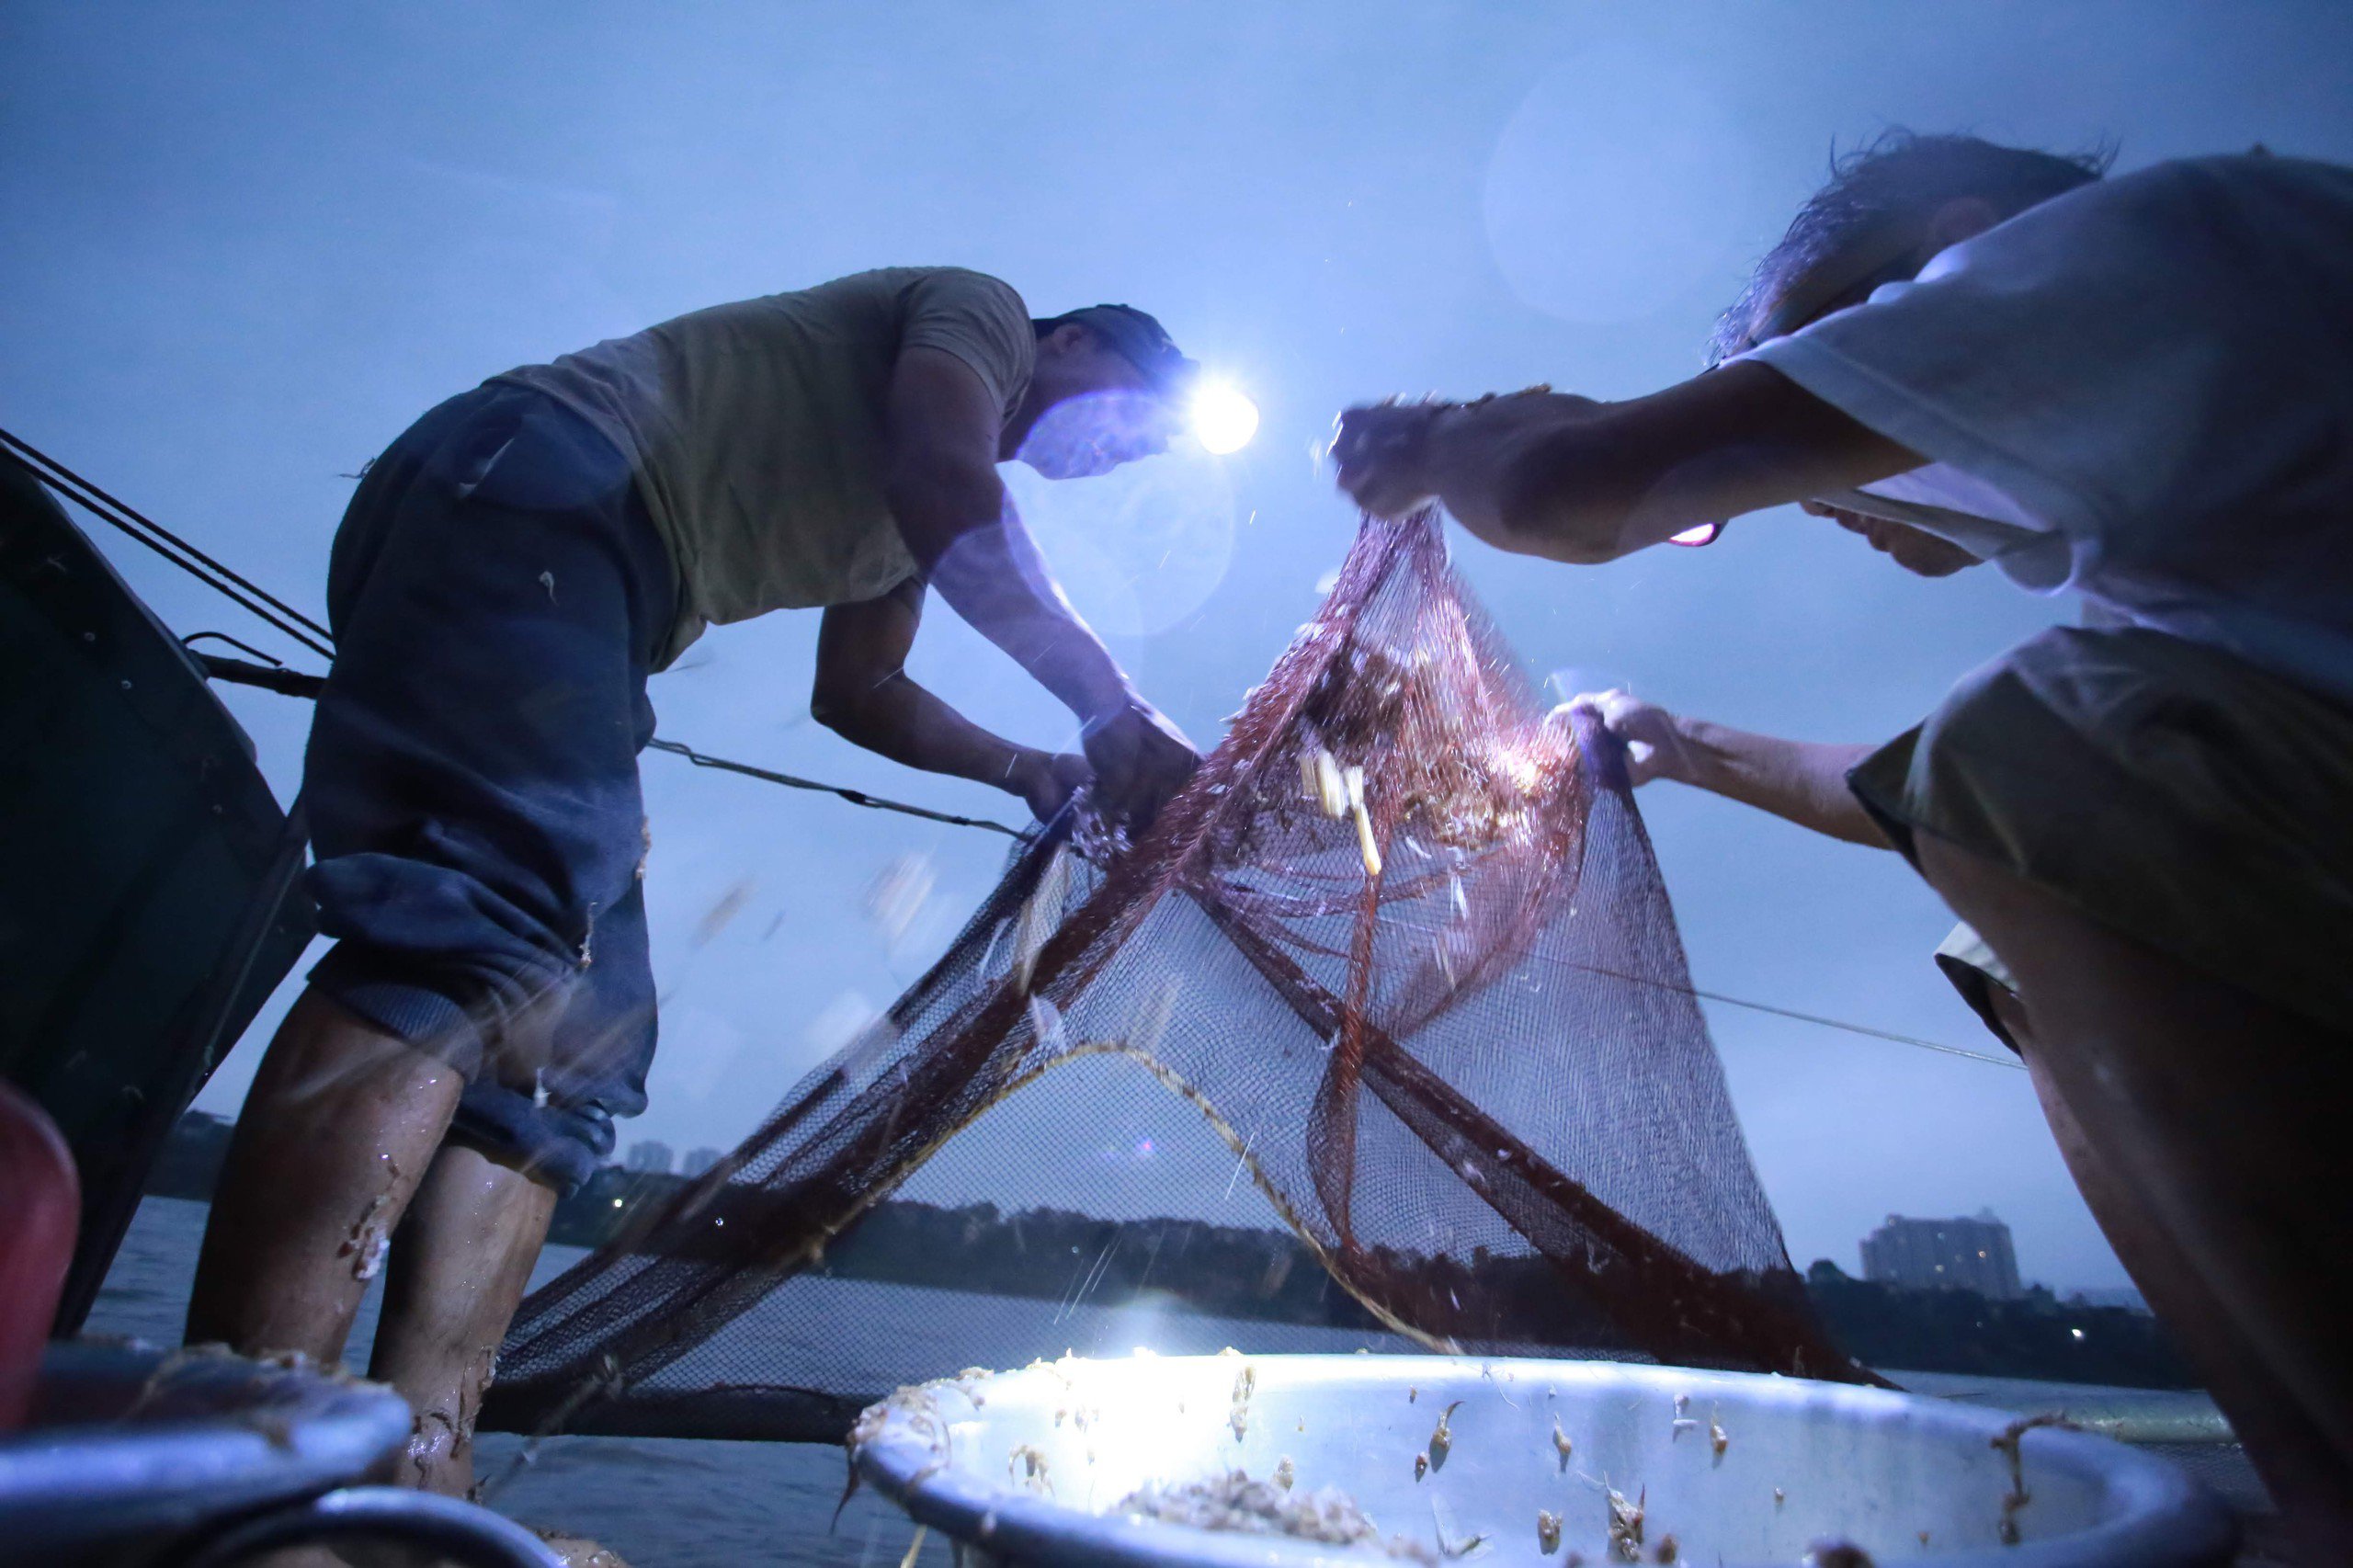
(40, 1206)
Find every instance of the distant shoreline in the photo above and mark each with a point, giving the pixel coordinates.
(1267, 1275)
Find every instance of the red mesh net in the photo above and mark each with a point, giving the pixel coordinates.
(1383, 1036)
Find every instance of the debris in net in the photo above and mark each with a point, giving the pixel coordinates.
(1331, 785)
(1421, 1466)
(1560, 1443)
(1442, 1439)
(1234, 1502)
(1547, 1531)
(1411, 1394)
(1718, 1438)
(2005, 1529)
(914, 1547)
(1668, 1550)
(1366, 843)
(2006, 1444)
(917, 1403)
(1030, 1463)
(1626, 1523)
(1778, 1498)
(1285, 1473)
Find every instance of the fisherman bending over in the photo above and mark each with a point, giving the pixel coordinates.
(2139, 389)
(509, 573)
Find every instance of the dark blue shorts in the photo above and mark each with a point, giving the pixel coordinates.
(497, 592)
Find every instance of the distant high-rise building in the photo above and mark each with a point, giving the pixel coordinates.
(1944, 1254)
(698, 1161)
(650, 1155)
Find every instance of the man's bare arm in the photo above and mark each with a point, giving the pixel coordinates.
(1799, 781)
(864, 694)
(963, 529)
(1576, 481)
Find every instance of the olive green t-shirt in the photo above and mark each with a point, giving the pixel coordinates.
(757, 429)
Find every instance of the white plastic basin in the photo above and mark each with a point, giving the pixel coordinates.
(1904, 1478)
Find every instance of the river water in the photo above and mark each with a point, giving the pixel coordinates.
(661, 1502)
(678, 1503)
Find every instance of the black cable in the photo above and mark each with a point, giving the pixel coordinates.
(193, 638)
(855, 796)
(40, 461)
(93, 502)
(285, 682)
(295, 682)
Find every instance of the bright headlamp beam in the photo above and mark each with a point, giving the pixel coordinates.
(1223, 418)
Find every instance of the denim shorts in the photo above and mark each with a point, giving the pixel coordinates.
(497, 592)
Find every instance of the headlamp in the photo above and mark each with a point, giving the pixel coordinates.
(1223, 419)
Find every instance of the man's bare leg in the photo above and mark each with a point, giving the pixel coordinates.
(2260, 1411)
(2206, 1120)
(459, 1262)
(335, 1134)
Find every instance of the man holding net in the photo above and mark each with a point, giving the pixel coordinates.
(507, 575)
(2138, 389)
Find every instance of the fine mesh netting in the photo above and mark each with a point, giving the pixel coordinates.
(1383, 1036)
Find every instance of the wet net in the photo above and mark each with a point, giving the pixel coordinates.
(1383, 1036)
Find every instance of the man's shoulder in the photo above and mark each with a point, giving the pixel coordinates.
(2254, 177)
(943, 286)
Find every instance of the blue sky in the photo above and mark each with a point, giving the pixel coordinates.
(252, 242)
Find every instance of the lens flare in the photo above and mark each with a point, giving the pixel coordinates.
(1223, 418)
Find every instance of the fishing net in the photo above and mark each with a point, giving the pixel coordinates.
(1381, 1036)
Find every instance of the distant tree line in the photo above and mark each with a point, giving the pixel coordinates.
(2037, 1336)
(1254, 1272)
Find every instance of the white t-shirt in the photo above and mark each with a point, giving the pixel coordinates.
(2142, 391)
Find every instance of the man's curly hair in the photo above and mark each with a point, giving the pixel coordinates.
(1898, 174)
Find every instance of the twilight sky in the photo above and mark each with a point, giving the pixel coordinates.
(252, 242)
